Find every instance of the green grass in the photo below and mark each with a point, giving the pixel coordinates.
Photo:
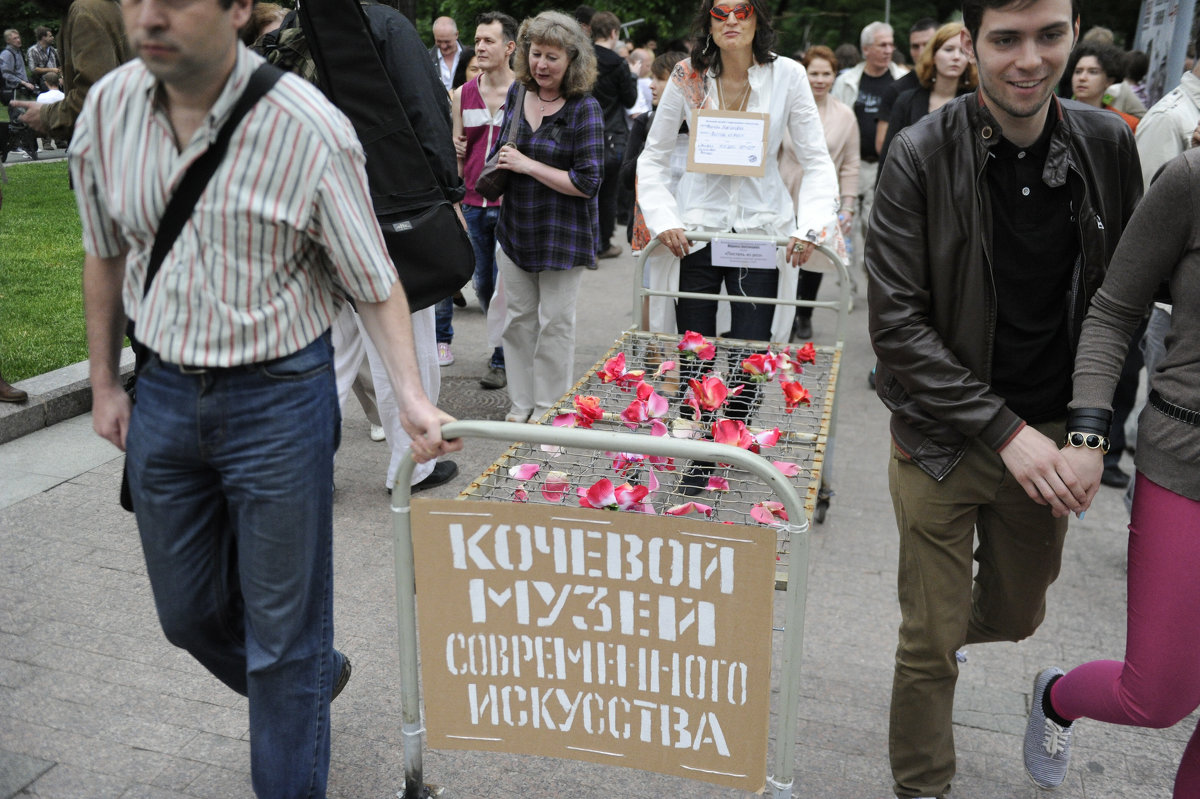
(41, 264)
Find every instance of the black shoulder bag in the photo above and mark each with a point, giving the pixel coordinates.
(179, 211)
(428, 245)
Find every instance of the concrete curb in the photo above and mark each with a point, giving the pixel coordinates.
(54, 397)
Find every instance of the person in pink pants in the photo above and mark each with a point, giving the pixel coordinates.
(1158, 683)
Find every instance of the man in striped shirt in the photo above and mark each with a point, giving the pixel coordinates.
(230, 445)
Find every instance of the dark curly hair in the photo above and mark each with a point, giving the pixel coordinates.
(706, 54)
(1107, 56)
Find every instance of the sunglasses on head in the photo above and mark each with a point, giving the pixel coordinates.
(740, 11)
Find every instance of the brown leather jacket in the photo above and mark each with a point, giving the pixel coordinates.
(928, 256)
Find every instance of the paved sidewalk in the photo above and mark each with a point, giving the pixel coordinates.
(94, 703)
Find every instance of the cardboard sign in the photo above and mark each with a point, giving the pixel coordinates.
(618, 638)
(728, 143)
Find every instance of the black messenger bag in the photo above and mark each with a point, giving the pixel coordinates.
(427, 242)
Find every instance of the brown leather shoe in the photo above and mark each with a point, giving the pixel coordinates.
(612, 251)
(10, 394)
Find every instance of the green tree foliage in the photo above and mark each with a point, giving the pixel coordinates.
(663, 19)
(799, 22)
(25, 15)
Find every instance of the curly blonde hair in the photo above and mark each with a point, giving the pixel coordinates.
(556, 29)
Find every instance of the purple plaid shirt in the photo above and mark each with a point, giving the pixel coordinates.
(540, 228)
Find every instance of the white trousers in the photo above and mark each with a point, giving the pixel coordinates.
(497, 310)
(539, 334)
(351, 344)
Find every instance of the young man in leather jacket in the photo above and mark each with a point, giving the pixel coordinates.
(992, 227)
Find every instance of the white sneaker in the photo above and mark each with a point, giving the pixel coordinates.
(1047, 745)
(445, 356)
(377, 433)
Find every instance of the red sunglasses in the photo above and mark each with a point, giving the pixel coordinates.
(740, 11)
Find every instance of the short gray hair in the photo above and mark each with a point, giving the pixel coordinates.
(870, 32)
(10, 32)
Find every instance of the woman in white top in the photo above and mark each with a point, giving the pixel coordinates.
(732, 68)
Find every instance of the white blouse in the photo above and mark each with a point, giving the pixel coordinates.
(722, 203)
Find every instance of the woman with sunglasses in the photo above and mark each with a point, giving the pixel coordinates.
(732, 68)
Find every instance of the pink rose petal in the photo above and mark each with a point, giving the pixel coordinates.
(690, 507)
(788, 469)
(524, 471)
(717, 484)
(600, 495)
(555, 486)
(768, 512)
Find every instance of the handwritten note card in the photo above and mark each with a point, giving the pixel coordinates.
(728, 143)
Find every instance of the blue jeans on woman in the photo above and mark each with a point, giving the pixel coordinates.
(231, 474)
(481, 225)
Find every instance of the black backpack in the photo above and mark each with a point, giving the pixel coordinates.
(425, 238)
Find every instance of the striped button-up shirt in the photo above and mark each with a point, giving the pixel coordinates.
(282, 232)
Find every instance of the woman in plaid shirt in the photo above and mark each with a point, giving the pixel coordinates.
(548, 223)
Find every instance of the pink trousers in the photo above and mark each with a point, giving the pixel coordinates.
(1158, 684)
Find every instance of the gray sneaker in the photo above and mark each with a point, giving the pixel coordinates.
(494, 378)
(1047, 745)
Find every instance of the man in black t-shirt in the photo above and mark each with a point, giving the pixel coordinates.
(861, 87)
(919, 35)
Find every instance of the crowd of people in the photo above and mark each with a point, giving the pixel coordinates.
(991, 194)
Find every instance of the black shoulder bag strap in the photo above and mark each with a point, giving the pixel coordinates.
(179, 210)
(183, 201)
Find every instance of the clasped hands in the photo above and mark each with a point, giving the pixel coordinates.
(1065, 478)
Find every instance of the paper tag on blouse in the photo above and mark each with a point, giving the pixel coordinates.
(728, 143)
(744, 254)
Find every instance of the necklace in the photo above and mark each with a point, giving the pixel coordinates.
(743, 97)
(543, 100)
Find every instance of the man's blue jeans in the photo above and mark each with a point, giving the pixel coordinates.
(231, 473)
(481, 225)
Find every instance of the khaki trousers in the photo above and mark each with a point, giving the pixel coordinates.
(539, 334)
(978, 512)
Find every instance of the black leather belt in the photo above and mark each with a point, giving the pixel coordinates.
(1176, 412)
(183, 369)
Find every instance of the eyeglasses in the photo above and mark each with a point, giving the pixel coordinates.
(740, 11)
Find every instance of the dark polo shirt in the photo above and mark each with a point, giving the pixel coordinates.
(1034, 251)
